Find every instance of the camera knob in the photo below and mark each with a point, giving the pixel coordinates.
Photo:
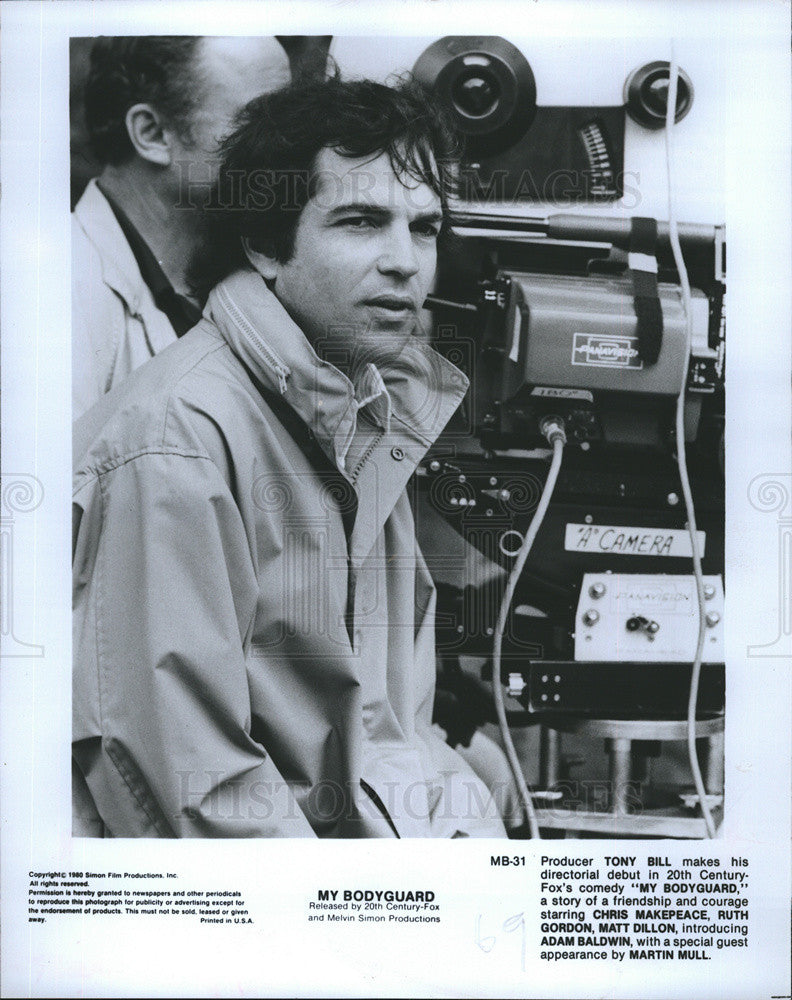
(646, 94)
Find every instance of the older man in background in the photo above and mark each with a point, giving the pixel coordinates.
(156, 108)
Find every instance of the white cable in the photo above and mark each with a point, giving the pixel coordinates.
(556, 436)
(673, 233)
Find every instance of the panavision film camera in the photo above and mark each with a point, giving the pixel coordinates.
(581, 317)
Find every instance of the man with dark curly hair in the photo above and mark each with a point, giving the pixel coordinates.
(156, 107)
(254, 621)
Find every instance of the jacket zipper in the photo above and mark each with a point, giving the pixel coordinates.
(270, 357)
(365, 457)
(380, 434)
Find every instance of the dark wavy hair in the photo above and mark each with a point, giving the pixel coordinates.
(160, 70)
(268, 163)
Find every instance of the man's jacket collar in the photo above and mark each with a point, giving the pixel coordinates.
(120, 270)
(412, 394)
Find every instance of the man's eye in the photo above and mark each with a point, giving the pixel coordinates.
(430, 229)
(359, 222)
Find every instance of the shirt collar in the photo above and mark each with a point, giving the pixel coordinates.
(415, 388)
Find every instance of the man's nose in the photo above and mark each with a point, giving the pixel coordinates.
(398, 255)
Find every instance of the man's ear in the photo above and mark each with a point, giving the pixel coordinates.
(148, 134)
(266, 265)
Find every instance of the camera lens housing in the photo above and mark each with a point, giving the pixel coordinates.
(488, 86)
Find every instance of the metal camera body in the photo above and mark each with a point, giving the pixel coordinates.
(542, 311)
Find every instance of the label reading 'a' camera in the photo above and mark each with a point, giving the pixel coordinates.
(597, 350)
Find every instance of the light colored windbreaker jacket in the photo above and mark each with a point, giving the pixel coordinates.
(242, 665)
(116, 325)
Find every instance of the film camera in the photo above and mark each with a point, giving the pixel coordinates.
(579, 318)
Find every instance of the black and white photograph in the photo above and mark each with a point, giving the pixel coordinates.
(256, 630)
(389, 455)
